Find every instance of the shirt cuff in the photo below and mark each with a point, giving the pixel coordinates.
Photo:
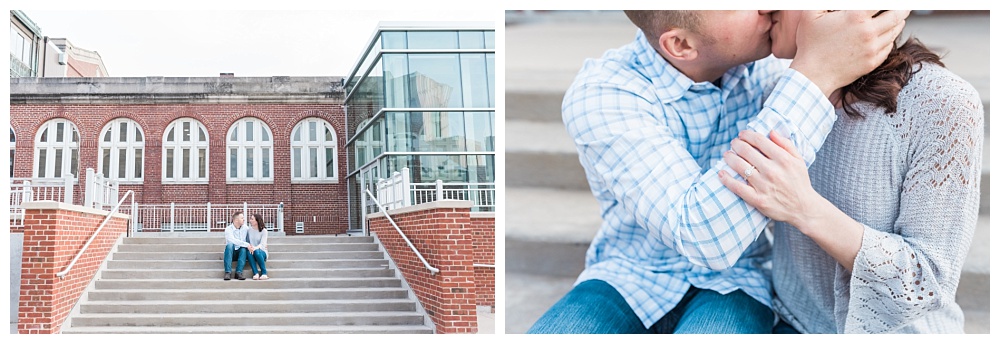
(799, 110)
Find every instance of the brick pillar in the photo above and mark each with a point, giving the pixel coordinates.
(484, 246)
(53, 234)
(442, 232)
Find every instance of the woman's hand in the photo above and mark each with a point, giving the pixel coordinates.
(778, 185)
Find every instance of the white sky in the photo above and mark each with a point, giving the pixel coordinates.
(245, 42)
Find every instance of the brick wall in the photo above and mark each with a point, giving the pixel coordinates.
(328, 202)
(443, 233)
(484, 252)
(53, 234)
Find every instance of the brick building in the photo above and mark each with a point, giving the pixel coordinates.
(191, 140)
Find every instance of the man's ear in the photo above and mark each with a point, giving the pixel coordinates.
(678, 44)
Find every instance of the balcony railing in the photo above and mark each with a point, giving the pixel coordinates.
(398, 192)
(18, 68)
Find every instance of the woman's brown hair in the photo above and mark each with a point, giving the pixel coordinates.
(881, 87)
(260, 222)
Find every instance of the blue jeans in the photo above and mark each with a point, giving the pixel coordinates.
(594, 306)
(258, 257)
(241, 258)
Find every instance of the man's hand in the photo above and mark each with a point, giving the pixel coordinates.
(835, 48)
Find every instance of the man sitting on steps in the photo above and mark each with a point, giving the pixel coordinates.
(236, 240)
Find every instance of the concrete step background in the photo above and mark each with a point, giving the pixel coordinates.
(320, 284)
(551, 214)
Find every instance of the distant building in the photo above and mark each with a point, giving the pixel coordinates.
(25, 44)
(422, 97)
(63, 59)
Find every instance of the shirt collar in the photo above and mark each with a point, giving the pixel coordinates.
(670, 84)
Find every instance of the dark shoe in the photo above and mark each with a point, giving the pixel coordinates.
(239, 276)
(228, 276)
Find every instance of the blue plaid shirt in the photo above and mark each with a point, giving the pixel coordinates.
(651, 142)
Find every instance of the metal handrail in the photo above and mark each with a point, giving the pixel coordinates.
(394, 225)
(114, 210)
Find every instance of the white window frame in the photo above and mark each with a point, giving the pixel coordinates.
(178, 145)
(52, 145)
(130, 144)
(256, 144)
(305, 144)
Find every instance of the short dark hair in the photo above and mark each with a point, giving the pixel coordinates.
(655, 23)
(237, 213)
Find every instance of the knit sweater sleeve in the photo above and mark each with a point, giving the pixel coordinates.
(902, 273)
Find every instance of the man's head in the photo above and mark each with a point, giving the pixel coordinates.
(705, 44)
(238, 219)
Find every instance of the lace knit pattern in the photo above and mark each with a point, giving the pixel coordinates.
(912, 178)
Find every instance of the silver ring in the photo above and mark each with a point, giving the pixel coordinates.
(748, 172)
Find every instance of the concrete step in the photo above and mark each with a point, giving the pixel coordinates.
(249, 319)
(254, 329)
(140, 274)
(218, 240)
(541, 154)
(274, 306)
(273, 283)
(228, 294)
(276, 264)
(271, 247)
(174, 256)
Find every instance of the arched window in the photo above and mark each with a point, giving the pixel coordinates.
(57, 150)
(314, 151)
(13, 140)
(248, 154)
(185, 152)
(121, 151)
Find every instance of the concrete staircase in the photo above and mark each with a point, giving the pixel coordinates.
(319, 284)
(551, 216)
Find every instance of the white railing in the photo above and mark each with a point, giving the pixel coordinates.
(398, 192)
(205, 217)
(100, 192)
(114, 210)
(482, 195)
(37, 189)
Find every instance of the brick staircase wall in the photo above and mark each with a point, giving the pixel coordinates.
(484, 252)
(442, 232)
(53, 234)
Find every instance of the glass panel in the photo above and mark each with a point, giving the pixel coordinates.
(106, 162)
(491, 81)
(480, 131)
(107, 135)
(76, 137)
(122, 132)
(329, 134)
(42, 161)
(249, 162)
(312, 163)
(397, 87)
(264, 135)
(186, 132)
(186, 163)
(435, 132)
(12, 135)
(329, 163)
(201, 135)
(59, 163)
(435, 81)
(202, 164)
(471, 40)
(432, 40)
(233, 166)
(232, 137)
(265, 162)
(249, 130)
(475, 85)
(122, 162)
(295, 136)
(490, 38)
(170, 135)
(170, 164)
(45, 135)
(312, 131)
(138, 134)
(138, 163)
(74, 161)
(11, 163)
(297, 162)
(59, 132)
(394, 40)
